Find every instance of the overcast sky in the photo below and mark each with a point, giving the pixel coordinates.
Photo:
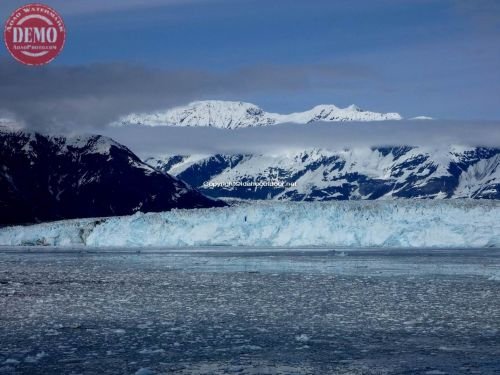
(417, 57)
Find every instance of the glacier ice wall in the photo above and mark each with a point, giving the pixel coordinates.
(415, 223)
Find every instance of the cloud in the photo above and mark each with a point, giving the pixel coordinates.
(56, 97)
(65, 97)
(147, 141)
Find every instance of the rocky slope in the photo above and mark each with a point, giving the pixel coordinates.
(49, 177)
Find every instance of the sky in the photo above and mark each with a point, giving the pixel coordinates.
(438, 58)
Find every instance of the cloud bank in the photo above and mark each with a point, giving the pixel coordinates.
(147, 141)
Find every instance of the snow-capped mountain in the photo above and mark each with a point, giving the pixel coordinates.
(50, 177)
(232, 115)
(360, 173)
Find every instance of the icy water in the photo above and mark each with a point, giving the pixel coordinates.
(249, 312)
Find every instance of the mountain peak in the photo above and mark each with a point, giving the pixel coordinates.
(354, 107)
(237, 114)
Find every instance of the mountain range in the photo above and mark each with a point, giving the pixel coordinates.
(233, 115)
(46, 177)
(351, 174)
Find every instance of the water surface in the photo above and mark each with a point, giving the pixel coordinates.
(249, 311)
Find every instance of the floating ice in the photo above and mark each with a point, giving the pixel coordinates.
(144, 371)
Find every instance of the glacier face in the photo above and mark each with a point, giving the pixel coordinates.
(233, 115)
(358, 173)
(407, 224)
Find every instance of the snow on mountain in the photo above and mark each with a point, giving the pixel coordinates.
(358, 173)
(480, 179)
(7, 124)
(46, 177)
(408, 224)
(232, 115)
(333, 113)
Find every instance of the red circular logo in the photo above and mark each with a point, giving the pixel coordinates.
(34, 34)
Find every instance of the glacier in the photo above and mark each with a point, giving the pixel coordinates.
(353, 224)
